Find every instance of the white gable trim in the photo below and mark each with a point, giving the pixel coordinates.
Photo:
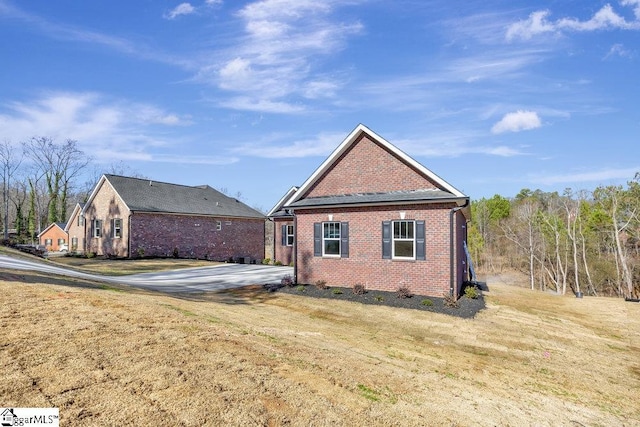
(97, 188)
(77, 210)
(282, 201)
(348, 142)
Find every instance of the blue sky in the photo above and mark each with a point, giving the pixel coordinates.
(493, 96)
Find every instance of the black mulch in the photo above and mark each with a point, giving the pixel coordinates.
(466, 307)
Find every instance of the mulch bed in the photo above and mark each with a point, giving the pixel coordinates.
(466, 307)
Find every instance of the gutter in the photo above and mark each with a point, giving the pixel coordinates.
(452, 245)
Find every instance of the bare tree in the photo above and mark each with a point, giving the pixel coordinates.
(59, 164)
(9, 162)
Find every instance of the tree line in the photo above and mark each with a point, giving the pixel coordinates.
(579, 241)
(42, 180)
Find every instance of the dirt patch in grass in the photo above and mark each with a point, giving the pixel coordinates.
(119, 356)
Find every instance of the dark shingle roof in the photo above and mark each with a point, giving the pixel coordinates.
(427, 195)
(152, 196)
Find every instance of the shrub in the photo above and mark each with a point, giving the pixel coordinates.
(403, 292)
(379, 298)
(176, 254)
(140, 252)
(91, 254)
(336, 291)
(471, 292)
(266, 261)
(321, 284)
(277, 263)
(427, 302)
(359, 289)
(287, 280)
(450, 301)
(300, 288)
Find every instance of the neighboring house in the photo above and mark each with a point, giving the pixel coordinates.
(76, 230)
(53, 237)
(283, 231)
(372, 215)
(132, 217)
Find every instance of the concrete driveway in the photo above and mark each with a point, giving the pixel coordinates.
(190, 280)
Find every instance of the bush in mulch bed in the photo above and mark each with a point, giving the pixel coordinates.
(465, 307)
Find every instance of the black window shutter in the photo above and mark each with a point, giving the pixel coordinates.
(344, 240)
(284, 235)
(113, 228)
(317, 239)
(386, 239)
(420, 241)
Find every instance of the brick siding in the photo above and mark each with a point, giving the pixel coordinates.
(365, 264)
(284, 254)
(369, 168)
(197, 237)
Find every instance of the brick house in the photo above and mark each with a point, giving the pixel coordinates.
(53, 236)
(132, 217)
(75, 230)
(372, 215)
(283, 231)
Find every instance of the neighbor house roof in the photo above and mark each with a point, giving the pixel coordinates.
(76, 211)
(445, 192)
(145, 195)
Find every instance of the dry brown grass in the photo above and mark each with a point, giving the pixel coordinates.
(119, 267)
(253, 358)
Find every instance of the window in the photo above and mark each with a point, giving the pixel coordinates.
(331, 239)
(74, 243)
(48, 242)
(218, 225)
(116, 228)
(403, 240)
(60, 242)
(96, 226)
(80, 220)
(287, 235)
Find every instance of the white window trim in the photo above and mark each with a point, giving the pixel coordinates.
(218, 225)
(113, 232)
(95, 233)
(290, 233)
(394, 240)
(338, 239)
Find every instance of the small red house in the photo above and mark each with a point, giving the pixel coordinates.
(53, 237)
(372, 215)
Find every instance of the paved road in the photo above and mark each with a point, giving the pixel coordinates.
(200, 279)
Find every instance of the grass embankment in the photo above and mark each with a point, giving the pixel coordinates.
(252, 358)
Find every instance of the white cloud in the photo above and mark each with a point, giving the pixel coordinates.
(603, 19)
(618, 50)
(181, 9)
(98, 124)
(517, 121)
(274, 64)
(322, 145)
(213, 2)
(599, 176)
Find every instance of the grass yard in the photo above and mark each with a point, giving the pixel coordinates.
(119, 356)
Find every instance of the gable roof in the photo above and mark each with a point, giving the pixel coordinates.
(278, 209)
(144, 195)
(77, 210)
(445, 191)
(60, 225)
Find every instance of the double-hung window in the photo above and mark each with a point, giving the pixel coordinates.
(96, 225)
(287, 235)
(403, 240)
(331, 239)
(116, 227)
